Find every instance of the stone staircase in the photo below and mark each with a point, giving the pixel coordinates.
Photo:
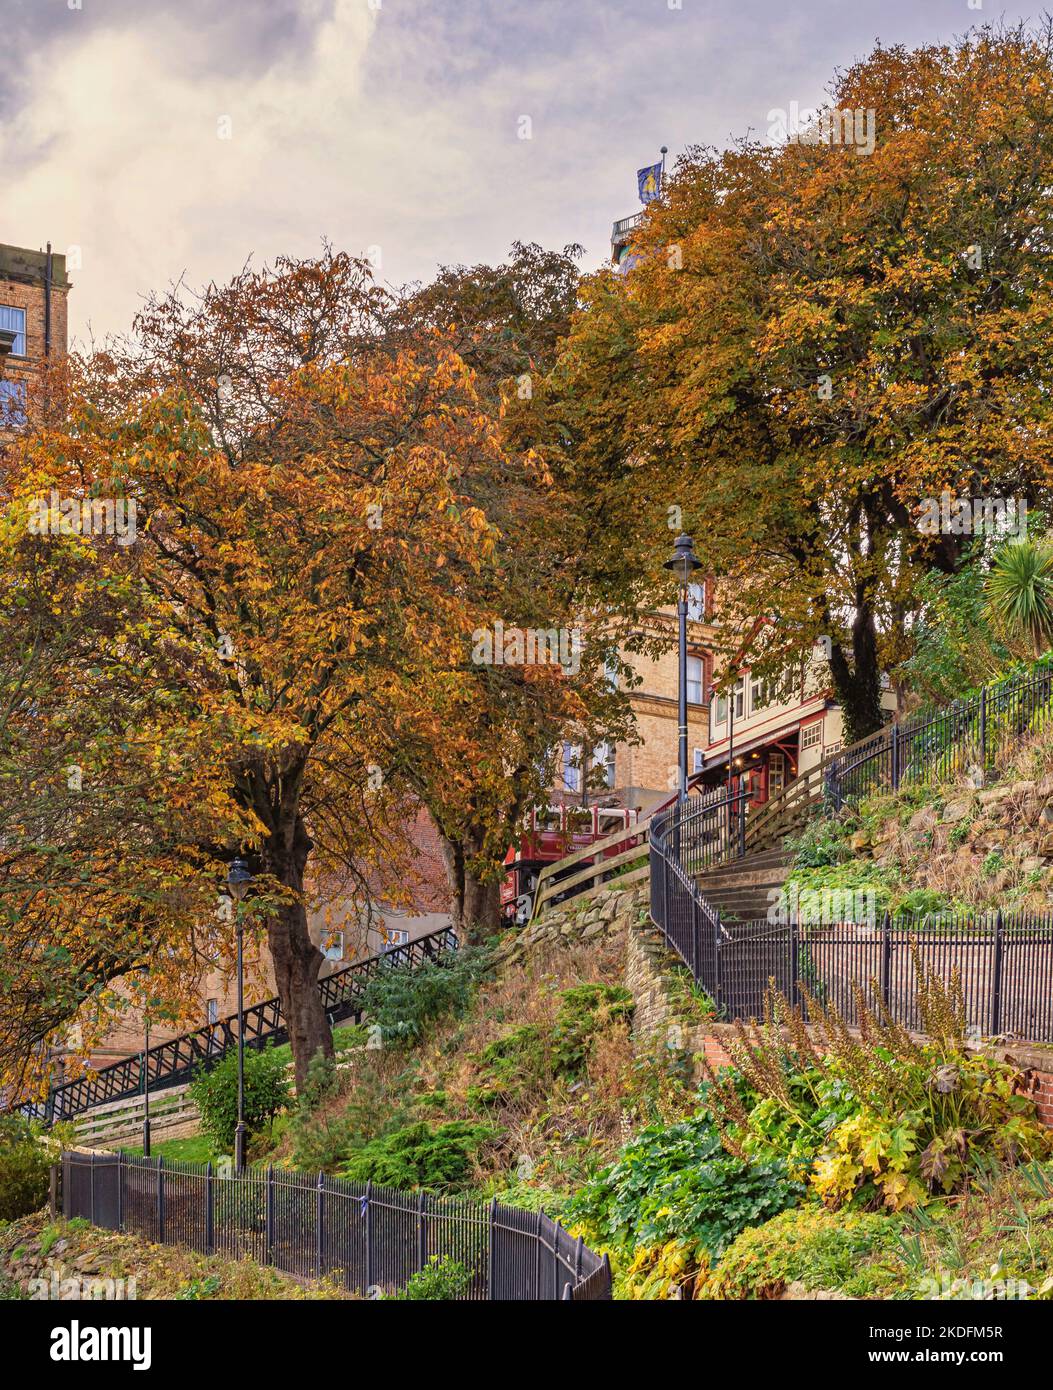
(745, 889)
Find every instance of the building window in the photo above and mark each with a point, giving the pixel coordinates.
(396, 936)
(603, 757)
(694, 680)
(213, 1010)
(12, 404)
(571, 769)
(696, 602)
(697, 760)
(812, 735)
(834, 748)
(776, 774)
(720, 712)
(740, 697)
(333, 945)
(14, 320)
(759, 696)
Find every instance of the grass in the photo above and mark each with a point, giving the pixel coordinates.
(195, 1149)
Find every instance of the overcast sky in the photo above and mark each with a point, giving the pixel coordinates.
(390, 124)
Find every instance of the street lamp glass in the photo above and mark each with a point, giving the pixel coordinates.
(239, 877)
(684, 561)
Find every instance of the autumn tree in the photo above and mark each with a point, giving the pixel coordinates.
(95, 877)
(822, 335)
(485, 751)
(298, 500)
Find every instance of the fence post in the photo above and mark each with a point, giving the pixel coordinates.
(53, 1183)
(120, 1189)
(422, 1233)
(795, 961)
(490, 1263)
(537, 1256)
(91, 1185)
(556, 1228)
(161, 1199)
(268, 1220)
(895, 756)
(696, 938)
(319, 1219)
(369, 1235)
(983, 733)
(210, 1210)
(718, 965)
(577, 1260)
(742, 820)
(886, 960)
(665, 891)
(996, 979)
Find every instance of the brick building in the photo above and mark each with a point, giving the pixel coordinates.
(33, 322)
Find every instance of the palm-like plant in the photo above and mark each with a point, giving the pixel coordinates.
(1020, 593)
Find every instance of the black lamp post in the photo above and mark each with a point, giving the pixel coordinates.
(239, 877)
(683, 565)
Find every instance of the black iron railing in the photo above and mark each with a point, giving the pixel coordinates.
(968, 736)
(173, 1062)
(1003, 962)
(370, 1239)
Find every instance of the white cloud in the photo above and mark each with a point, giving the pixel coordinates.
(126, 160)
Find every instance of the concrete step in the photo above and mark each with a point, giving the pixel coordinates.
(745, 878)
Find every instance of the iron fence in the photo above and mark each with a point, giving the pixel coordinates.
(369, 1238)
(968, 735)
(178, 1059)
(1002, 961)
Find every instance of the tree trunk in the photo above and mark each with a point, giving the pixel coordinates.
(475, 904)
(295, 957)
(858, 684)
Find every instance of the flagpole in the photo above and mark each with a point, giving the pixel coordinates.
(664, 152)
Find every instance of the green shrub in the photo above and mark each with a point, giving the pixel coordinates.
(402, 1001)
(339, 1112)
(441, 1280)
(25, 1164)
(215, 1093)
(810, 1245)
(584, 1011)
(677, 1184)
(437, 1159)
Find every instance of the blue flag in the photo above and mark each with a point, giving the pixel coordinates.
(649, 182)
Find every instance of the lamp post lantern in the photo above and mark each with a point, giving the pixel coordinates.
(683, 564)
(239, 877)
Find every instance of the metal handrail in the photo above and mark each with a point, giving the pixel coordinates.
(174, 1061)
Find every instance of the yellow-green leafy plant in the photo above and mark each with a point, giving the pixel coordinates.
(876, 1116)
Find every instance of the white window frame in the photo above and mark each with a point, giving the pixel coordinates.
(695, 683)
(15, 311)
(570, 774)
